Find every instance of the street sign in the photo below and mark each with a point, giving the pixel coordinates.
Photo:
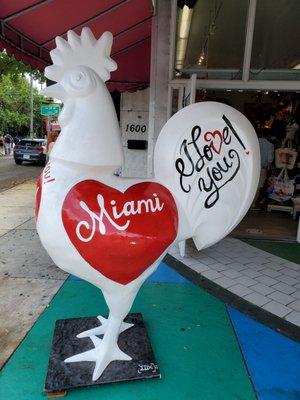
(50, 110)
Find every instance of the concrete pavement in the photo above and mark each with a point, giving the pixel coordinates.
(28, 278)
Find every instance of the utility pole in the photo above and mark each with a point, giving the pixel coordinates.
(31, 107)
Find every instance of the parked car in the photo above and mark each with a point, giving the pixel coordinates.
(30, 150)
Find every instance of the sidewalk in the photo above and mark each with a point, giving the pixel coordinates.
(28, 278)
(258, 277)
(204, 348)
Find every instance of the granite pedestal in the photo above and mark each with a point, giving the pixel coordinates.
(134, 341)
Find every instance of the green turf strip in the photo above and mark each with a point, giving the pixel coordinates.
(202, 361)
(289, 251)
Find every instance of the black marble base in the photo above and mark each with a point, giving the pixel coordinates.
(134, 342)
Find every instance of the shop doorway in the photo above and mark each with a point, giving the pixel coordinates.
(277, 115)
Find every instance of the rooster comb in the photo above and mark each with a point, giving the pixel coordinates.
(81, 50)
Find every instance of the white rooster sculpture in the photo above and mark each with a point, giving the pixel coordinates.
(113, 232)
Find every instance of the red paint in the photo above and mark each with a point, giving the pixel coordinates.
(216, 140)
(38, 195)
(121, 256)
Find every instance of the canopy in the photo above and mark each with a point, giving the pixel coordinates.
(29, 27)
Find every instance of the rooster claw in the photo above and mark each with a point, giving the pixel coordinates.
(100, 330)
(102, 355)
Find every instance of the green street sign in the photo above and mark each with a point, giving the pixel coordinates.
(50, 110)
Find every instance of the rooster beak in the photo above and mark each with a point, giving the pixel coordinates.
(57, 91)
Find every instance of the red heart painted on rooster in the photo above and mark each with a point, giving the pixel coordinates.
(120, 234)
(214, 137)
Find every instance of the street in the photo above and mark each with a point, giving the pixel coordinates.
(12, 174)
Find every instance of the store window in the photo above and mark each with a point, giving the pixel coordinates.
(210, 39)
(275, 49)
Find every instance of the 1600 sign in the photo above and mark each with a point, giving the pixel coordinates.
(136, 128)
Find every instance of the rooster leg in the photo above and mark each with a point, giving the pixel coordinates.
(100, 330)
(107, 349)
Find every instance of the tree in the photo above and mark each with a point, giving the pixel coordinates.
(15, 97)
(10, 66)
(15, 105)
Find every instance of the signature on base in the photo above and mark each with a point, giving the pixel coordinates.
(147, 367)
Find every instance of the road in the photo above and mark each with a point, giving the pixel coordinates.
(12, 174)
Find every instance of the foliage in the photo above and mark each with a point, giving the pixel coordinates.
(10, 66)
(15, 106)
(15, 97)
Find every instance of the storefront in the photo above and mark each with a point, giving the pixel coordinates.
(241, 52)
(245, 54)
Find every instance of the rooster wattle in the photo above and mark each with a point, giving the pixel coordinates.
(114, 232)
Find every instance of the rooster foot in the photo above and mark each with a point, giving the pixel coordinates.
(100, 330)
(102, 355)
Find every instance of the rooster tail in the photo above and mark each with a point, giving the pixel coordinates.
(207, 154)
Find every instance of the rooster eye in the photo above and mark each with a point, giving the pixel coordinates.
(79, 81)
(78, 78)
